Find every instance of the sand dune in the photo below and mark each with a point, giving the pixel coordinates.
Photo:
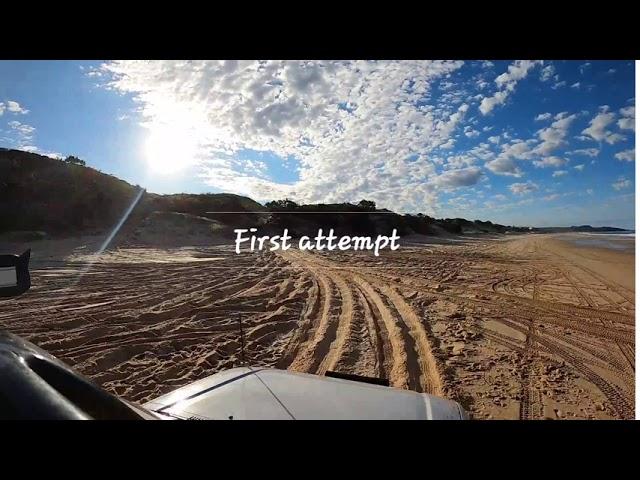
(518, 327)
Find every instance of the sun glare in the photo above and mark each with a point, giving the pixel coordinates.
(169, 150)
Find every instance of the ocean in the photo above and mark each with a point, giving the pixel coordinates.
(621, 241)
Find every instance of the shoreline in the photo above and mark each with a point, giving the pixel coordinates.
(617, 265)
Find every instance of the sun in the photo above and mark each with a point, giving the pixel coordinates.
(169, 149)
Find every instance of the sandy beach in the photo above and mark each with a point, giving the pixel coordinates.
(512, 327)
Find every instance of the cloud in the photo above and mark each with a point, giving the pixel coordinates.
(459, 161)
(589, 191)
(504, 166)
(621, 183)
(584, 67)
(588, 152)
(558, 85)
(470, 132)
(598, 128)
(559, 173)
(579, 167)
(352, 125)
(626, 155)
(552, 161)
(401, 133)
(554, 136)
(506, 161)
(463, 177)
(547, 72)
(576, 85)
(628, 120)
(628, 111)
(35, 149)
(506, 84)
(615, 138)
(23, 130)
(523, 188)
(14, 107)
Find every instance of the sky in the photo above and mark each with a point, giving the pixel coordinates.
(528, 143)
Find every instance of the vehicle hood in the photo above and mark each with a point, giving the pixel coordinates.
(250, 393)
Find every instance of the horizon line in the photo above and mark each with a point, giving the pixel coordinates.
(266, 212)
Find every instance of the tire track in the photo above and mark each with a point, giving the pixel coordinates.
(398, 374)
(317, 347)
(343, 329)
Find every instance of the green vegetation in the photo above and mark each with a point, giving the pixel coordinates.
(65, 197)
(75, 161)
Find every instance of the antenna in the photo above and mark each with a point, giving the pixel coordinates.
(242, 361)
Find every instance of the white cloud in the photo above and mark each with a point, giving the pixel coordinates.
(590, 191)
(504, 166)
(523, 188)
(551, 161)
(559, 173)
(22, 129)
(365, 116)
(576, 85)
(463, 177)
(471, 132)
(628, 111)
(557, 85)
(547, 72)
(626, 155)
(579, 167)
(628, 120)
(621, 184)
(367, 129)
(459, 161)
(2, 108)
(584, 67)
(543, 116)
(35, 149)
(505, 163)
(506, 84)
(554, 136)
(448, 145)
(14, 107)
(627, 124)
(482, 151)
(598, 127)
(588, 152)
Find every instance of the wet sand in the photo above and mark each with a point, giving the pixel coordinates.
(529, 326)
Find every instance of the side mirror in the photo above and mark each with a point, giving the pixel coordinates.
(14, 274)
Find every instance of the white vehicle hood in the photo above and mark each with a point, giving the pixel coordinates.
(251, 393)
